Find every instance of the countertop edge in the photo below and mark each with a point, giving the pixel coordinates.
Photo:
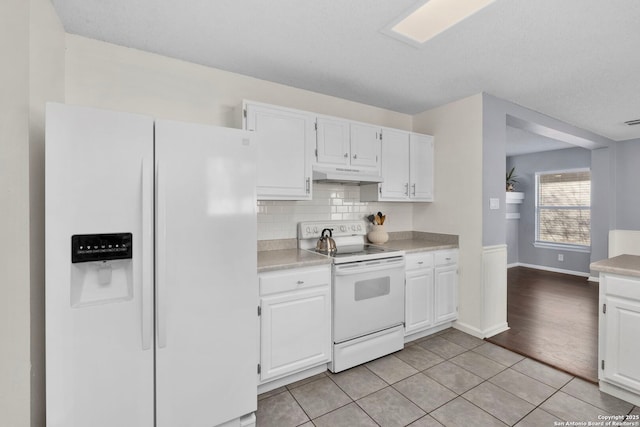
(623, 265)
(289, 257)
(419, 245)
(292, 265)
(284, 259)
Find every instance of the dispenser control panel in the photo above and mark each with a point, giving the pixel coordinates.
(100, 247)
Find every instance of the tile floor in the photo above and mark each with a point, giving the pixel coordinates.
(450, 379)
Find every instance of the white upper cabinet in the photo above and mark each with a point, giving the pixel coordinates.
(290, 141)
(406, 166)
(394, 168)
(285, 144)
(421, 167)
(333, 141)
(344, 143)
(365, 145)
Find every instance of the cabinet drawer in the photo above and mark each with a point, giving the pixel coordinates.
(289, 280)
(625, 287)
(418, 260)
(446, 257)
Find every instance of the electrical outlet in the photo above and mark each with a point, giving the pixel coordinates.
(560, 257)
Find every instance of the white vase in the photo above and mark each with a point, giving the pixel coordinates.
(377, 235)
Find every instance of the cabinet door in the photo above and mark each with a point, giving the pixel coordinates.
(365, 145)
(333, 141)
(418, 300)
(295, 331)
(285, 140)
(446, 293)
(394, 165)
(421, 167)
(621, 349)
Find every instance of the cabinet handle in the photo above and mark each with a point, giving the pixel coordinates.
(346, 154)
(448, 258)
(413, 187)
(355, 156)
(161, 256)
(308, 185)
(406, 189)
(147, 255)
(420, 262)
(300, 282)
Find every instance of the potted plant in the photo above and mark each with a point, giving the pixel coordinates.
(511, 181)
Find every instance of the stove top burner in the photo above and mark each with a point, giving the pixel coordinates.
(350, 238)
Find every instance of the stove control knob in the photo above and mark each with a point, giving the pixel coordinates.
(343, 228)
(315, 229)
(353, 227)
(308, 229)
(359, 227)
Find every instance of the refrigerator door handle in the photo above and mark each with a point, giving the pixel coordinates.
(161, 256)
(147, 255)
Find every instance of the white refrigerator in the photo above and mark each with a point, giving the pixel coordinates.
(151, 283)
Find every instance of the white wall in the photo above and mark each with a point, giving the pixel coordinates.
(105, 75)
(14, 208)
(457, 128)
(108, 76)
(32, 48)
(46, 83)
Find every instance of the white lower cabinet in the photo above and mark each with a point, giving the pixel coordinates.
(431, 296)
(619, 371)
(418, 308)
(295, 321)
(446, 293)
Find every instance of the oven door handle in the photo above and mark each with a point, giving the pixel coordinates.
(367, 267)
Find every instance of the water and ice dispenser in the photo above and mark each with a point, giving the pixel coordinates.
(101, 268)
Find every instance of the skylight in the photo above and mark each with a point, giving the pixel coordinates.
(432, 18)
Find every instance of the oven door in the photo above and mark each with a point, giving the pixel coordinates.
(368, 296)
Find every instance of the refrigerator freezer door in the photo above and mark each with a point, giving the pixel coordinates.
(99, 181)
(206, 288)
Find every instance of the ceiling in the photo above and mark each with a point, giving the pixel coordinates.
(575, 60)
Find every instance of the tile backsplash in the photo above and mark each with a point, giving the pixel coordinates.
(279, 219)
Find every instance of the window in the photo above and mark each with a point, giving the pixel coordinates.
(563, 209)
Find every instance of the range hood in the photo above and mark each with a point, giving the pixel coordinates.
(345, 175)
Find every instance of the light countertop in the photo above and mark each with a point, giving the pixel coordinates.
(280, 255)
(417, 245)
(624, 265)
(289, 258)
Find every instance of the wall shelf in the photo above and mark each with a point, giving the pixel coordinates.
(514, 197)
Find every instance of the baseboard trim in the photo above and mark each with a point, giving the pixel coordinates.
(468, 329)
(552, 269)
(488, 333)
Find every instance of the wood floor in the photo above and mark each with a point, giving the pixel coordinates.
(554, 319)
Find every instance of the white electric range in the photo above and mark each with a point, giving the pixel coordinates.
(367, 293)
